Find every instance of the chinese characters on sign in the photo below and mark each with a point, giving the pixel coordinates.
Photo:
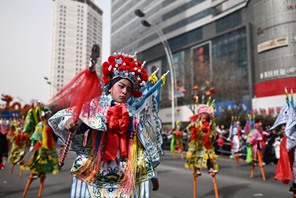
(277, 73)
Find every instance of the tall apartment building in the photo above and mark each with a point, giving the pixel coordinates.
(244, 48)
(77, 25)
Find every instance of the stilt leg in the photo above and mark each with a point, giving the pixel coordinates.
(12, 168)
(195, 178)
(253, 169)
(30, 180)
(237, 158)
(21, 172)
(182, 155)
(261, 165)
(215, 184)
(42, 179)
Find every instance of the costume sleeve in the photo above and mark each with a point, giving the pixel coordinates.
(57, 121)
(283, 169)
(37, 135)
(61, 125)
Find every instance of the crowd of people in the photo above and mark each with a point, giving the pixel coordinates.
(255, 143)
(234, 141)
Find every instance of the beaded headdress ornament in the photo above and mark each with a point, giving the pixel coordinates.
(204, 108)
(125, 66)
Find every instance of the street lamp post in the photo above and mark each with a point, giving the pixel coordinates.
(52, 85)
(169, 56)
(49, 83)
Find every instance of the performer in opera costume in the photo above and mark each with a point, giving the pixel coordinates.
(286, 166)
(256, 140)
(234, 137)
(220, 140)
(116, 135)
(248, 130)
(22, 137)
(45, 158)
(177, 141)
(201, 153)
(4, 128)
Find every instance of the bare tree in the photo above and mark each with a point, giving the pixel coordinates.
(226, 79)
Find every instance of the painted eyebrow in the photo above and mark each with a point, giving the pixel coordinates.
(128, 87)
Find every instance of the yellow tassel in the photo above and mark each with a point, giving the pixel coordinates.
(44, 137)
(129, 178)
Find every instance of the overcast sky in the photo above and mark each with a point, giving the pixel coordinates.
(25, 44)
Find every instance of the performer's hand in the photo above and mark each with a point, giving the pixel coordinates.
(31, 149)
(155, 184)
(71, 124)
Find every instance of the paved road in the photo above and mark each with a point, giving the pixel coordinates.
(175, 181)
(232, 181)
(56, 186)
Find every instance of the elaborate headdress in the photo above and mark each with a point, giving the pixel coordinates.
(203, 108)
(207, 105)
(125, 66)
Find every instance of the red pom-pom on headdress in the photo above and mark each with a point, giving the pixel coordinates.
(125, 66)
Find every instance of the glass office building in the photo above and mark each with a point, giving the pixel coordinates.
(213, 43)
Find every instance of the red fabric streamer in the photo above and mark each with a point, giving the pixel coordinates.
(50, 140)
(239, 132)
(20, 139)
(284, 167)
(117, 134)
(194, 118)
(179, 133)
(37, 146)
(220, 141)
(206, 128)
(193, 133)
(81, 89)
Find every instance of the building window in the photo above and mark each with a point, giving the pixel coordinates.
(228, 22)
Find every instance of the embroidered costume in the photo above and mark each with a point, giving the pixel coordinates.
(3, 144)
(23, 134)
(286, 166)
(118, 145)
(177, 141)
(234, 137)
(45, 158)
(257, 141)
(201, 153)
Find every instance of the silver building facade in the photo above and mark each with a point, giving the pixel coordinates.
(274, 27)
